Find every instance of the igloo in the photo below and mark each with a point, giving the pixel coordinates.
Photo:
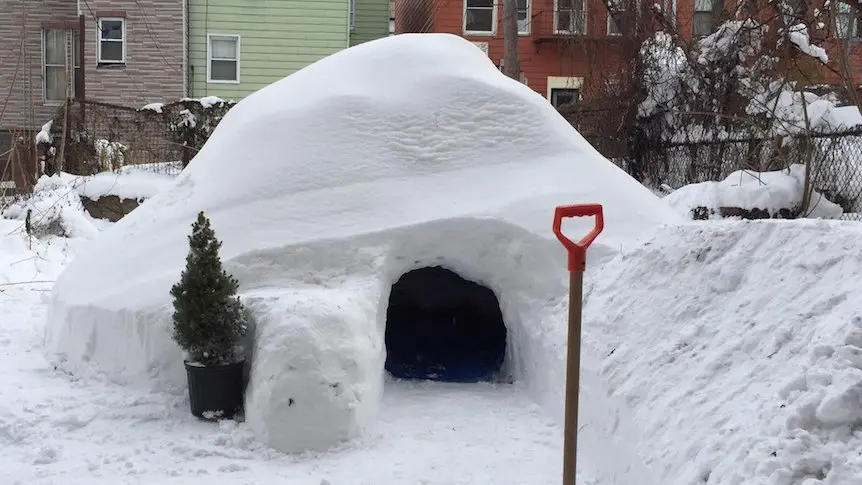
(327, 188)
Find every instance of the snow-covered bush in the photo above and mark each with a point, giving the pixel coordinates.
(54, 208)
(107, 137)
(111, 155)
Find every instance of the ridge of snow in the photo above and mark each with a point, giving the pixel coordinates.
(770, 191)
(737, 346)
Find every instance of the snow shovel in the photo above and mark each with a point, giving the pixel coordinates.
(577, 264)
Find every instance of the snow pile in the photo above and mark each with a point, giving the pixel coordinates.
(799, 112)
(54, 209)
(130, 182)
(798, 35)
(738, 344)
(772, 192)
(44, 135)
(342, 189)
(157, 107)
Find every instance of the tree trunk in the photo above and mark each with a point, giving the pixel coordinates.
(511, 63)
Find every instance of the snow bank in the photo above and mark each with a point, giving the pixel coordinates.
(323, 196)
(747, 190)
(738, 344)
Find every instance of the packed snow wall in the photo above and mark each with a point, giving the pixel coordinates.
(737, 347)
(323, 199)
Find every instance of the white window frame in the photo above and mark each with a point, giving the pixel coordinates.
(99, 41)
(351, 9)
(210, 36)
(529, 18)
(491, 32)
(557, 29)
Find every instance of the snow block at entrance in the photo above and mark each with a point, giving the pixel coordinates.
(327, 186)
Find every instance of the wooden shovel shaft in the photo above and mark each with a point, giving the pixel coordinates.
(573, 378)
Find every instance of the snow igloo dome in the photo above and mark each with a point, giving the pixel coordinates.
(351, 198)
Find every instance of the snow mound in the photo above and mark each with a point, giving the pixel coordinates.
(324, 195)
(738, 344)
(771, 192)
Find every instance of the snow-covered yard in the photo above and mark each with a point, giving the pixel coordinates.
(59, 429)
(715, 352)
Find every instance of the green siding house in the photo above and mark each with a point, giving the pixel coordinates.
(236, 47)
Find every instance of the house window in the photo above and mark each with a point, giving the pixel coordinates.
(352, 15)
(76, 62)
(223, 58)
(524, 17)
(703, 23)
(613, 28)
(55, 74)
(570, 17)
(112, 41)
(480, 16)
(561, 97)
(847, 22)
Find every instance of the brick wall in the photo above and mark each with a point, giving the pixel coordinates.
(153, 70)
(594, 58)
(21, 38)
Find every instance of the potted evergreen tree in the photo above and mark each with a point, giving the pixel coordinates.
(209, 323)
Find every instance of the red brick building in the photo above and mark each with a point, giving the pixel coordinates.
(566, 47)
(569, 48)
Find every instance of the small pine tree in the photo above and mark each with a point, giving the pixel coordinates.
(209, 319)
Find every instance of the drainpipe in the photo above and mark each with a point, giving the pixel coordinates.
(82, 79)
(186, 89)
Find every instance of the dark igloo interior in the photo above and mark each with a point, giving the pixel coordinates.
(440, 326)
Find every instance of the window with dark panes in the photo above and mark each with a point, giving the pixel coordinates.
(112, 41)
(479, 16)
(703, 23)
(564, 96)
(570, 17)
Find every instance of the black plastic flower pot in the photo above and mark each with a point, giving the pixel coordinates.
(216, 391)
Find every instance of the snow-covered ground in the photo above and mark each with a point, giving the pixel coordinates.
(734, 344)
(59, 429)
(55, 428)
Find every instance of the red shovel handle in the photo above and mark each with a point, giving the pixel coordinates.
(578, 250)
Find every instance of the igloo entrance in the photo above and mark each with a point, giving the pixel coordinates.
(440, 326)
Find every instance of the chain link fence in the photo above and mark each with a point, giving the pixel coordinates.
(86, 138)
(834, 161)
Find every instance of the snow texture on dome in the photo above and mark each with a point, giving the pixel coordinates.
(327, 186)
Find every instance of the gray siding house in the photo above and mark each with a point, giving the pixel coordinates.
(132, 52)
